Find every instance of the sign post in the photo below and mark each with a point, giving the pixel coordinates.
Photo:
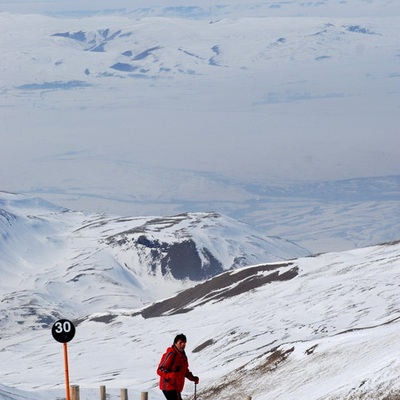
(63, 331)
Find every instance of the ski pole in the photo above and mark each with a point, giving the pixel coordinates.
(195, 391)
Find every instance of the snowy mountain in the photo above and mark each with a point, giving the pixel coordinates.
(321, 327)
(48, 253)
(84, 53)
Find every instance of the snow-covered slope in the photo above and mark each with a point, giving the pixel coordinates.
(195, 246)
(324, 327)
(48, 254)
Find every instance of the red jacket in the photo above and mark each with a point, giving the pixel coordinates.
(173, 369)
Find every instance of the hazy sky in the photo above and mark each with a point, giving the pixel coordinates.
(336, 8)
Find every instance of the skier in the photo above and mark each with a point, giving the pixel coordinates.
(174, 368)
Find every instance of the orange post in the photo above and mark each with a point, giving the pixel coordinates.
(68, 394)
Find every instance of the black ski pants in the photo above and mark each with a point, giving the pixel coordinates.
(172, 395)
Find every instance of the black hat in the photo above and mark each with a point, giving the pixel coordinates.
(181, 336)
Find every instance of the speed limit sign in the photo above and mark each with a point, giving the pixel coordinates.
(63, 331)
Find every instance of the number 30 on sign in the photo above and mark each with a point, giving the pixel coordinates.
(63, 331)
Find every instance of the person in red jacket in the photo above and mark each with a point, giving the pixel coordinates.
(174, 368)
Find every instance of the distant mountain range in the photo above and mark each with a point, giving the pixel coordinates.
(126, 49)
(282, 115)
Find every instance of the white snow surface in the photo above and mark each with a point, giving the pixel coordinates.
(321, 327)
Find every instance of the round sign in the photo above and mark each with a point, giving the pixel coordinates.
(63, 331)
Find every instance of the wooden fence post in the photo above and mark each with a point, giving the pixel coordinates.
(74, 392)
(143, 396)
(102, 392)
(124, 394)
